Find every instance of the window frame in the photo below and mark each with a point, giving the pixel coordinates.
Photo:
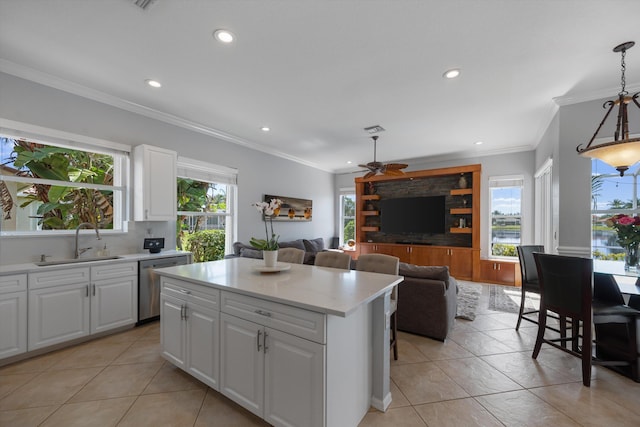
(52, 137)
(504, 181)
(343, 192)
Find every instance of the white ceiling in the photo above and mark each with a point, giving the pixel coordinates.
(318, 71)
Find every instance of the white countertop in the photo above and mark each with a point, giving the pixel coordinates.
(322, 289)
(31, 267)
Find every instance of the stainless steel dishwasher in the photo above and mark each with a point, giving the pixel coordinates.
(149, 286)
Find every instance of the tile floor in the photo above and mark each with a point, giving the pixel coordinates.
(482, 375)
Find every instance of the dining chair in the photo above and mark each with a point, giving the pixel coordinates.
(385, 264)
(291, 255)
(616, 327)
(529, 275)
(566, 289)
(333, 259)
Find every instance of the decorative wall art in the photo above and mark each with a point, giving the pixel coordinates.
(292, 209)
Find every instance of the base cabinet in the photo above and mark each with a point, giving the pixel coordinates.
(66, 304)
(13, 315)
(189, 330)
(273, 374)
(500, 272)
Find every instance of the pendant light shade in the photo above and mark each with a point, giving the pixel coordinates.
(622, 151)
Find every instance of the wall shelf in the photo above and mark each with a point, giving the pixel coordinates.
(461, 191)
(466, 230)
(370, 228)
(370, 213)
(370, 197)
(460, 211)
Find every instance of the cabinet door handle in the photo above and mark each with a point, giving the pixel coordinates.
(264, 341)
(262, 313)
(498, 266)
(93, 290)
(87, 290)
(258, 341)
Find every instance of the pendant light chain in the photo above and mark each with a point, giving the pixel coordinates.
(623, 68)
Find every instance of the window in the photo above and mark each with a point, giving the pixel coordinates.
(53, 186)
(347, 215)
(206, 209)
(610, 194)
(505, 202)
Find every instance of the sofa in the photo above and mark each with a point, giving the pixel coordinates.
(426, 300)
(310, 247)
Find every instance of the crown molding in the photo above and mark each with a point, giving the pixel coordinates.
(55, 82)
(593, 95)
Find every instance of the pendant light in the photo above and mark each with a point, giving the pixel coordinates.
(621, 152)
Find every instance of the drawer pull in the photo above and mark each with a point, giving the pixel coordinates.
(263, 313)
(186, 292)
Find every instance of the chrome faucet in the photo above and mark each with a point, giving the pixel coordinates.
(79, 251)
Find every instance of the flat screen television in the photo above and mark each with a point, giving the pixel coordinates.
(413, 215)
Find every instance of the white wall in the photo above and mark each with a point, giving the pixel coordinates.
(521, 163)
(259, 173)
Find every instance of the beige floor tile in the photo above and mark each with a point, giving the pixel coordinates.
(462, 325)
(407, 353)
(477, 377)
(618, 388)
(179, 408)
(92, 354)
(425, 382)
(97, 413)
(141, 352)
(526, 371)
(587, 406)
(456, 413)
(118, 381)
(398, 399)
(152, 333)
(9, 383)
(30, 417)
(170, 378)
(399, 417)
(218, 411)
(130, 335)
(37, 363)
(49, 388)
(522, 408)
(488, 322)
(516, 340)
(437, 350)
(480, 344)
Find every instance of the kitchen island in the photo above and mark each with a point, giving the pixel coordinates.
(308, 346)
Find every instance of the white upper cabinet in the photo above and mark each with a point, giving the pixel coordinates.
(154, 177)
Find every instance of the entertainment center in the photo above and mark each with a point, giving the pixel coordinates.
(428, 217)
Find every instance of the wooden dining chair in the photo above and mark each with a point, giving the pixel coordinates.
(616, 328)
(291, 255)
(566, 289)
(333, 259)
(529, 275)
(385, 264)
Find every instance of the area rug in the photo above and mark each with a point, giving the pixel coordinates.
(507, 299)
(468, 299)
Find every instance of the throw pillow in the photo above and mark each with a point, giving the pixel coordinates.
(250, 253)
(424, 272)
(315, 245)
(298, 244)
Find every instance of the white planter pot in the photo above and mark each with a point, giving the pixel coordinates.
(270, 258)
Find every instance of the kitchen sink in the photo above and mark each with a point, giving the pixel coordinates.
(74, 261)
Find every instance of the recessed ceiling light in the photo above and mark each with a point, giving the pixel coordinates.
(478, 142)
(224, 36)
(349, 162)
(265, 128)
(153, 83)
(452, 73)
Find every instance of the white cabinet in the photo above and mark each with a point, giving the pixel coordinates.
(155, 186)
(190, 329)
(272, 373)
(59, 306)
(70, 303)
(13, 315)
(114, 295)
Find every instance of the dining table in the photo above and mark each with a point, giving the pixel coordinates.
(628, 280)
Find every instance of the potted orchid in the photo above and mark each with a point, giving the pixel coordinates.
(628, 231)
(269, 246)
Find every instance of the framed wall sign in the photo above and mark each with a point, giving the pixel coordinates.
(292, 209)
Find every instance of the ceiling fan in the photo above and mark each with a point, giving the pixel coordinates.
(376, 167)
